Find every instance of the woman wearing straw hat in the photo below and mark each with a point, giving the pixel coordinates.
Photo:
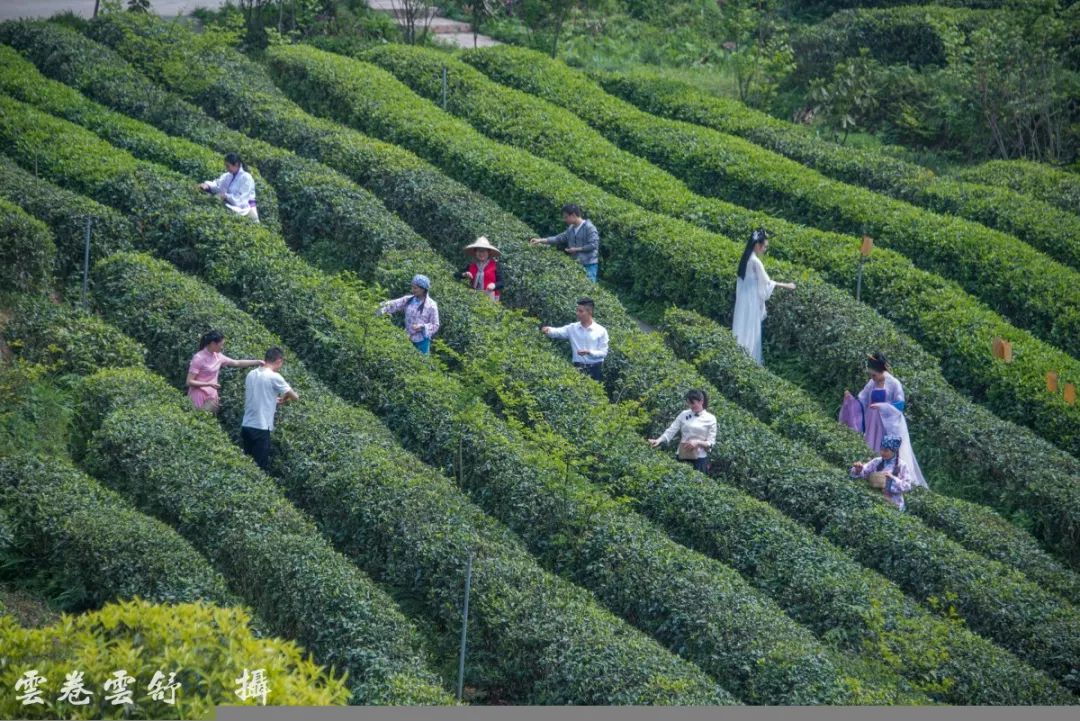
(483, 273)
(421, 313)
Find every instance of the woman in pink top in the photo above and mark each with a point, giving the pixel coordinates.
(202, 377)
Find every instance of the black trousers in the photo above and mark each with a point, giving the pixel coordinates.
(593, 370)
(700, 464)
(257, 445)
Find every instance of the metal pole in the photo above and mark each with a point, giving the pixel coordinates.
(464, 627)
(86, 261)
(858, 280)
(444, 87)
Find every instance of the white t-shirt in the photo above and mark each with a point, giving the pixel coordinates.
(262, 387)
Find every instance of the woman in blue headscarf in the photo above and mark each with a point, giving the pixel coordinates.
(887, 473)
(421, 313)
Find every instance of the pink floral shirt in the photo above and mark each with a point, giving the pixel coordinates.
(205, 365)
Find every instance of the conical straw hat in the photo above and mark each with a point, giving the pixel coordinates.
(485, 244)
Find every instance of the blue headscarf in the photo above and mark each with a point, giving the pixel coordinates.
(893, 444)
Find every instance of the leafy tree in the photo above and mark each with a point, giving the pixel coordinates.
(547, 18)
(757, 49)
(1012, 75)
(847, 99)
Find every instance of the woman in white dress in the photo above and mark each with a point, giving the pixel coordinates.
(752, 288)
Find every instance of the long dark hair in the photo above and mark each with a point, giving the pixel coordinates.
(697, 395)
(758, 236)
(210, 337)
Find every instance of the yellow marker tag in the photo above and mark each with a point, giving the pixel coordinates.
(1070, 393)
(1051, 381)
(867, 245)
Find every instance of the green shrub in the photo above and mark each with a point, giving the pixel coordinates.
(918, 302)
(26, 251)
(66, 213)
(1033, 180)
(788, 410)
(17, 80)
(988, 264)
(65, 339)
(90, 546)
(430, 202)
(915, 35)
(410, 527)
(527, 184)
(178, 466)
(339, 366)
(323, 75)
(1047, 228)
(207, 647)
(308, 309)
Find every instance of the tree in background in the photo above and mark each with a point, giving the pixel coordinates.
(546, 18)
(1012, 75)
(758, 53)
(479, 11)
(846, 100)
(416, 15)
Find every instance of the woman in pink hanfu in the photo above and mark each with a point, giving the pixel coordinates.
(878, 411)
(202, 378)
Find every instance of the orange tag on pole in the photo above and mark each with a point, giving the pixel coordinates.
(1070, 393)
(1002, 349)
(1051, 381)
(867, 246)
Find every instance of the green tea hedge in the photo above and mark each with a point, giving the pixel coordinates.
(789, 410)
(1054, 230)
(178, 465)
(64, 339)
(17, 80)
(533, 637)
(987, 263)
(931, 308)
(441, 216)
(1034, 180)
(91, 543)
(526, 184)
(27, 251)
(66, 213)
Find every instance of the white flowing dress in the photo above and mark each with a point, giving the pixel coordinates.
(751, 293)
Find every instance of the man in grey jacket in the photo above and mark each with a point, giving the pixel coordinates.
(580, 239)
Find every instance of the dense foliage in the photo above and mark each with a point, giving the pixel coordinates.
(206, 647)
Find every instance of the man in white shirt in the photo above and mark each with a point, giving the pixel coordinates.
(264, 391)
(588, 340)
(235, 187)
